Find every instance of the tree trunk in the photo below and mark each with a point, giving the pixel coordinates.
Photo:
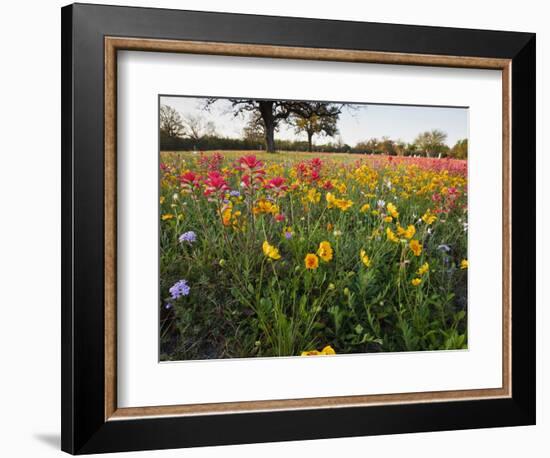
(266, 109)
(309, 142)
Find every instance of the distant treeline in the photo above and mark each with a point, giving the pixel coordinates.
(213, 142)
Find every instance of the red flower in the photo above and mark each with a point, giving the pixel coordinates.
(316, 163)
(315, 175)
(245, 181)
(279, 217)
(215, 183)
(250, 162)
(277, 184)
(189, 179)
(327, 185)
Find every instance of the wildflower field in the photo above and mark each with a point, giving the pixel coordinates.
(292, 254)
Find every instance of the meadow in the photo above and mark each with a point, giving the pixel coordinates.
(290, 254)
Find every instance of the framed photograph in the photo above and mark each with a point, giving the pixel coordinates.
(284, 228)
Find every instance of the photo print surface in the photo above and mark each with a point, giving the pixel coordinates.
(311, 228)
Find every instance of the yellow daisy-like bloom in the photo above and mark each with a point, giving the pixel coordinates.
(365, 258)
(365, 208)
(265, 206)
(311, 261)
(416, 281)
(312, 196)
(464, 264)
(423, 269)
(392, 210)
(270, 251)
(407, 233)
(328, 350)
(416, 247)
(343, 204)
(429, 217)
(325, 251)
(388, 219)
(331, 200)
(226, 216)
(391, 236)
(166, 216)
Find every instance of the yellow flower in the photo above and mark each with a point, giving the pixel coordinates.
(464, 264)
(388, 219)
(328, 350)
(407, 233)
(330, 227)
(364, 258)
(226, 216)
(343, 204)
(365, 208)
(270, 251)
(312, 261)
(331, 200)
(265, 206)
(429, 217)
(325, 251)
(342, 188)
(310, 353)
(391, 236)
(392, 210)
(416, 247)
(161, 199)
(416, 281)
(423, 269)
(313, 196)
(167, 216)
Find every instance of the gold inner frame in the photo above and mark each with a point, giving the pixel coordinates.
(114, 44)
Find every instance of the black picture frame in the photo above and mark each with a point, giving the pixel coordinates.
(84, 429)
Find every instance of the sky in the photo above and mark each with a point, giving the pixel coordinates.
(399, 122)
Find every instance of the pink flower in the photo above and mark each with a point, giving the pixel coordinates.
(250, 162)
(277, 185)
(215, 183)
(189, 180)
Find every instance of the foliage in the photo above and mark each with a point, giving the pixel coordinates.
(284, 254)
(460, 149)
(432, 143)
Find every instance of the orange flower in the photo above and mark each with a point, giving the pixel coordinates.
(416, 247)
(312, 261)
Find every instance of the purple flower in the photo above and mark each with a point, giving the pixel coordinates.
(189, 237)
(168, 306)
(288, 235)
(179, 289)
(234, 193)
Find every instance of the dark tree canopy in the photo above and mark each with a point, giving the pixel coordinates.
(273, 112)
(317, 118)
